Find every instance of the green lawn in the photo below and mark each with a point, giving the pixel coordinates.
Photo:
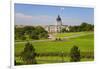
(85, 43)
(71, 34)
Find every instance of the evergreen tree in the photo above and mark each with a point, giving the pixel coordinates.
(28, 55)
(75, 54)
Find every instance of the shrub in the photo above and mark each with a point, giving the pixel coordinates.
(75, 54)
(28, 55)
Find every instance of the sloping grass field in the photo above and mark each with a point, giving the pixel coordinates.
(71, 34)
(85, 41)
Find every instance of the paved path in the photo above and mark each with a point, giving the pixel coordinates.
(67, 37)
(33, 41)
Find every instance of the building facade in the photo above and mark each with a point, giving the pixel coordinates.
(57, 27)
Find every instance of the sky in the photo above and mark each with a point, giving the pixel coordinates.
(30, 14)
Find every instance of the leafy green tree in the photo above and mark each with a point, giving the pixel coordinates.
(34, 35)
(86, 27)
(83, 27)
(64, 30)
(29, 29)
(75, 54)
(28, 55)
(40, 29)
(42, 33)
(30, 32)
(19, 33)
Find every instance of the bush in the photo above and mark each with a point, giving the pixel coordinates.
(75, 54)
(28, 55)
(18, 63)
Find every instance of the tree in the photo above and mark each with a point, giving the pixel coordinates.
(86, 27)
(42, 33)
(28, 55)
(75, 54)
(30, 32)
(83, 27)
(64, 30)
(34, 35)
(19, 33)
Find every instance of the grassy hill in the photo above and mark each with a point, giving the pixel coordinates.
(85, 42)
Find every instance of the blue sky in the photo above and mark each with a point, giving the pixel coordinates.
(30, 14)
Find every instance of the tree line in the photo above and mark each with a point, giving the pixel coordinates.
(79, 28)
(30, 32)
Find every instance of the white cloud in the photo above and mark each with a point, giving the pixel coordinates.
(24, 16)
(21, 18)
